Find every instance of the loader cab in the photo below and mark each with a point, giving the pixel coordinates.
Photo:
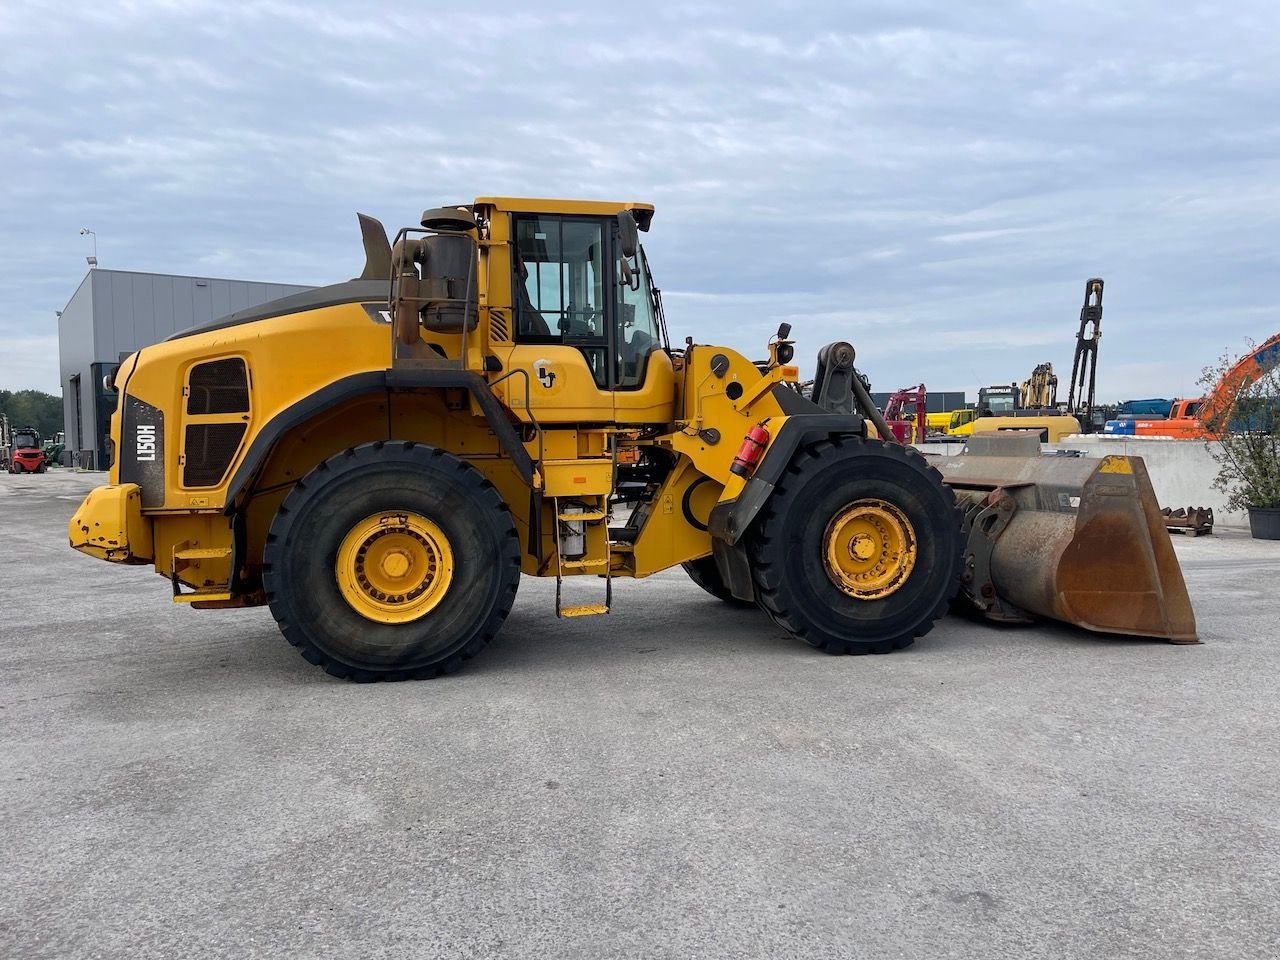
(587, 319)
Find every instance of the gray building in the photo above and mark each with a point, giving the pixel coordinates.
(115, 312)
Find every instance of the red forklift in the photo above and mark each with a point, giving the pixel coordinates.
(28, 452)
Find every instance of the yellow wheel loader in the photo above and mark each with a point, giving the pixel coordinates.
(380, 461)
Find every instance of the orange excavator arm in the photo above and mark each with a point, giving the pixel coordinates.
(1253, 365)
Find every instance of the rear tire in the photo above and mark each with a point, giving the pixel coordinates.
(706, 574)
(788, 544)
(342, 615)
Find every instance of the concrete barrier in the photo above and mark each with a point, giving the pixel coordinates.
(1182, 471)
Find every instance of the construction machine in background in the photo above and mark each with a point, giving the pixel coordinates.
(958, 422)
(6, 442)
(55, 449)
(380, 461)
(1152, 408)
(1191, 419)
(906, 412)
(1000, 409)
(1084, 362)
(28, 453)
(1040, 390)
(937, 423)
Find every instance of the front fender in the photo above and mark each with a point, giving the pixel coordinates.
(730, 518)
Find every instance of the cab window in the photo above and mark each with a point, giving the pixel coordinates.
(560, 284)
(637, 334)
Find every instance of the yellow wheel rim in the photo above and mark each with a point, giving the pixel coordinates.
(869, 549)
(394, 567)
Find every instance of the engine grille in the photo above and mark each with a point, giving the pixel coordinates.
(208, 451)
(220, 386)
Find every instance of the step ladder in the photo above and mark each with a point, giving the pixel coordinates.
(187, 554)
(592, 516)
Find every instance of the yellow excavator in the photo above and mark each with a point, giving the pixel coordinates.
(380, 462)
(1026, 406)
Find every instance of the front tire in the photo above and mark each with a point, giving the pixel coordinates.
(858, 550)
(391, 561)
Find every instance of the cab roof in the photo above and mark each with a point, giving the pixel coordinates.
(643, 212)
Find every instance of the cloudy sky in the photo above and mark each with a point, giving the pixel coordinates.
(932, 181)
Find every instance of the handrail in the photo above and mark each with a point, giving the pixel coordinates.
(533, 421)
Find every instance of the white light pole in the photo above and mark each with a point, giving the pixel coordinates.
(92, 260)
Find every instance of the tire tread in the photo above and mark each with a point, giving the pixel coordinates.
(770, 569)
(358, 458)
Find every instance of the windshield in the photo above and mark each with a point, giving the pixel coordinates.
(998, 403)
(25, 441)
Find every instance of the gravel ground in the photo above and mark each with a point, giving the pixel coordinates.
(676, 780)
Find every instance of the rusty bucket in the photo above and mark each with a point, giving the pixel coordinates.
(1070, 538)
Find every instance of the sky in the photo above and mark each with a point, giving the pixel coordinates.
(931, 181)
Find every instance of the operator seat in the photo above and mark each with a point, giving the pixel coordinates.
(529, 319)
(635, 354)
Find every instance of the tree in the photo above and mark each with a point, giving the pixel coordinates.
(1242, 413)
(32, 408)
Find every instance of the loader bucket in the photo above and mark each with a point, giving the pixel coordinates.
(1069, 538)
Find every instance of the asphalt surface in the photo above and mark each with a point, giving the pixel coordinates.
(676, 780)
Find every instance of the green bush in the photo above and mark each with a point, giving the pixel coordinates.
(1246, 425)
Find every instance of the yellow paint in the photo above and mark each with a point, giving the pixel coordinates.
(577, 208)
(569, 478)
(197, 547)
(1057, 427)
(869, 549)
(938, 422)
(394, 568)
(708, 406)
(109, 525)
(960, 422)
(584, 610)
(204, 596)
(667, 538)
(1115, 464)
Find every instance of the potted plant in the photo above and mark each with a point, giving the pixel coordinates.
(1241, 415)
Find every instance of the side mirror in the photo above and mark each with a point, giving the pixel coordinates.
(784, 331)
(628, 234)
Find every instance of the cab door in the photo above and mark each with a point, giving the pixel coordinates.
(563, 315)
(644, 379)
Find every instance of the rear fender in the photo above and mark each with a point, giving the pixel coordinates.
(378, 381)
